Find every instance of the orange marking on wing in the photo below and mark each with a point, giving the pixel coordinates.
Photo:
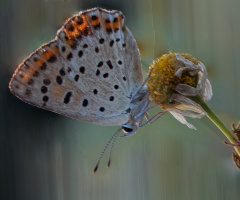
(76, 99)
(116, 23)
(27, 65)
(69, 42)
(121, 20)
(57, 92)
(108, 25)
(71, 30)
(30, 71)
(47, 54)
(83, 23)
(95, 22)
(55, 49)
(23, 77)
(38, 62)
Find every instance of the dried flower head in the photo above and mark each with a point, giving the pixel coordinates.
(174, 79)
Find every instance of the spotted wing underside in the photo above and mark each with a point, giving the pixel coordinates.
(87, 72)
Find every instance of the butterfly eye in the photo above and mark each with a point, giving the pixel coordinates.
(127, 129)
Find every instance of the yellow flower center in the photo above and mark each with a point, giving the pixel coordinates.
(162, 82)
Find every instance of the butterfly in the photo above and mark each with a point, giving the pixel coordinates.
(91, 72)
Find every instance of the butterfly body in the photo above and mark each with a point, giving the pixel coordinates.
(91, 71)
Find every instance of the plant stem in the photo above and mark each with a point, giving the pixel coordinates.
(214, 118)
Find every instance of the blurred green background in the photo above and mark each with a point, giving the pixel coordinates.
(47, 156)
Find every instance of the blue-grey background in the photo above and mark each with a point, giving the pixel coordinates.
(47, 156)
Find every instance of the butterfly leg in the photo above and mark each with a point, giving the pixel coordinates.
(148, 120)
(153, 119)
(147, 116)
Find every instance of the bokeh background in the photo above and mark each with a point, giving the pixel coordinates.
(47, 156)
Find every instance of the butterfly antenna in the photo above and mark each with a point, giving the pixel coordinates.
(111, 148)
(105, 148)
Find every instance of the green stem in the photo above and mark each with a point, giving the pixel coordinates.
(214, 118)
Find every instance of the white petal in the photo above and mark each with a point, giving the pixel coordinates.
(208, 91)
(202, 66)
(190, 66)
(203, 89)
(187, 90)
(187, 62)
(187, 113)
(192, 71)
(182, 119)
(202, 75)
(186, 103)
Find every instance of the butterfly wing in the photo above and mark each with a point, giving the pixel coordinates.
(88, 72)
